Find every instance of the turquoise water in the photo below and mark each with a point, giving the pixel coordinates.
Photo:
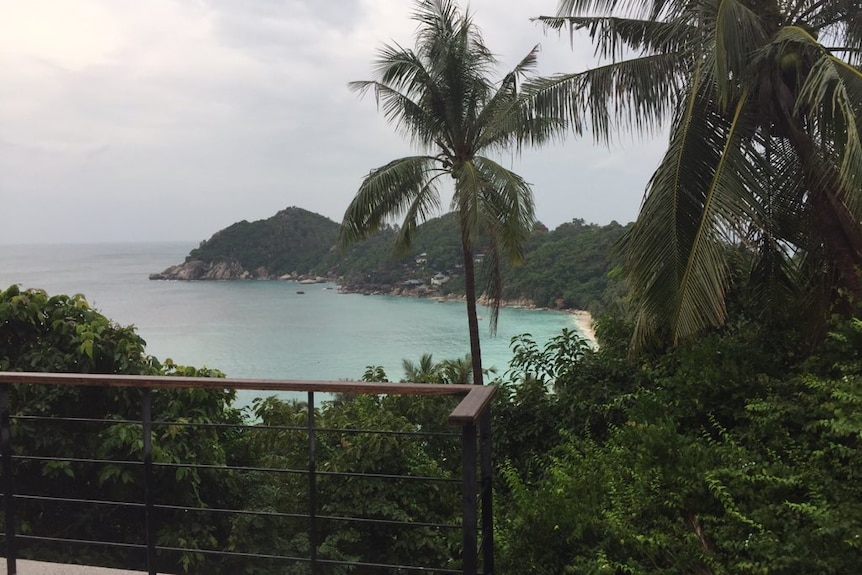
(263, 329)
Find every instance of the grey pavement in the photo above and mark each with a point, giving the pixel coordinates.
(26, 567)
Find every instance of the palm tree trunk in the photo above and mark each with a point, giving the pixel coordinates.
(472, 318)
(485, 459)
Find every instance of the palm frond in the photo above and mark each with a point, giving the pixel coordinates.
(494, 277)
(507, 91)
(508, 218)
(402, 70)
(780, 193)
(465, 200)
(409, 117)
(388, 192)
(738, 35)
(508, 119)
(424, 205)
(507, 200)
(833, 93)
(838, 22)
(676, 252)
(617, 38)
(639, 94)
(653, 9)
(705, 278)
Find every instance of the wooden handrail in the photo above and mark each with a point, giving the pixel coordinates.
(473, 405)
(476, 398)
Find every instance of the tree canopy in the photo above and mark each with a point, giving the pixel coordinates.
(763, 167)
(441, 97)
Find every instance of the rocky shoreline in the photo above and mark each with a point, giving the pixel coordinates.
(199, 270)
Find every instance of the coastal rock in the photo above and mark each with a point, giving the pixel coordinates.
(520, 302)
(199, 270)
(190, 270)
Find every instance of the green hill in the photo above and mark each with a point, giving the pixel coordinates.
(293, 240)
(569, 267)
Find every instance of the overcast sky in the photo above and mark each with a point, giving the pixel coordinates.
(152, 120)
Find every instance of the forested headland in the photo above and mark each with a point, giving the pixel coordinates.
(570, 267)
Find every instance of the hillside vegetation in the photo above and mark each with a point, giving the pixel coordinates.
(569, 267)
(293, 240)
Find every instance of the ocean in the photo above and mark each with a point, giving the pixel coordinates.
(264, 329)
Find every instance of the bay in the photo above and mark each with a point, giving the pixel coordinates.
(264, 329)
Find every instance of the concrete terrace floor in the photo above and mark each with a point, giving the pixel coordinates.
(26, 567)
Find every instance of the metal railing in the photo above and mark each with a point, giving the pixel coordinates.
(471, 414)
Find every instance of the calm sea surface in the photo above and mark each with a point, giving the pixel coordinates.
(263, 329)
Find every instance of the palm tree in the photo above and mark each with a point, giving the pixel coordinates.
(764, 103)
(439, 95)
(457, 370)
(425, 371)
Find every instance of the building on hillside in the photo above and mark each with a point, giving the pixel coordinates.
(439, 279)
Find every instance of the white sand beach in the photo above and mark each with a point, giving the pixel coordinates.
(584, 321)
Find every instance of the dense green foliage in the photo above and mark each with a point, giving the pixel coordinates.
(292, 241)
(739, 454)
(732, 455)
(436, 242)
(64, 334)
(762, 100)
(571, 267)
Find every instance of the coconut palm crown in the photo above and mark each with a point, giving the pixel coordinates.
(763, 100)
(439, 95)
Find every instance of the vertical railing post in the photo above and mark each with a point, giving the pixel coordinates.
(468, 499)
(149, 520)
(487, 493)
(8, 483)
(312, 485)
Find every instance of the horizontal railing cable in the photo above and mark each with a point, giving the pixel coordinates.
(278, 514)
(246, 426)
(234, 554)
(237, 468)
(75, 460)
(47, 498)
(254, 512)
(386, 566)
(389, 522)
(81, 541)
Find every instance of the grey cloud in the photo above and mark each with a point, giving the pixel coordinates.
(248, 120)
